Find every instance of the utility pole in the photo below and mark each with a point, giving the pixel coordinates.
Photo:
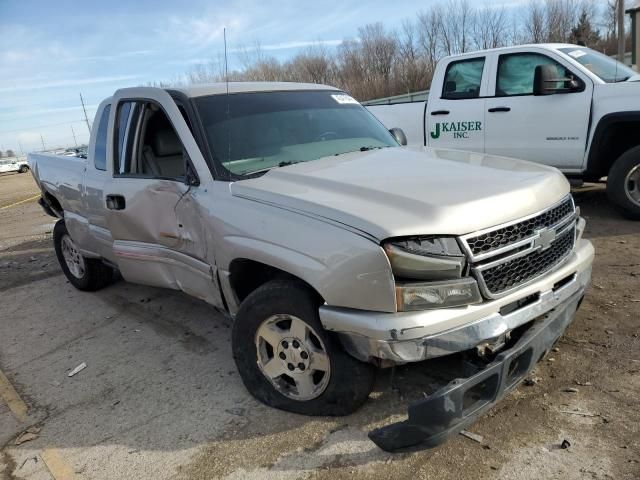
(21, 149)
(85, 113)
(74, 136)
(43, 147)
(621, 41)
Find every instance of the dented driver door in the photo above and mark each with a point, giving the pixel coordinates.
(153, 217)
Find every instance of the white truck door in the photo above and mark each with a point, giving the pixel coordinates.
(158, 235)
(455, 113)
(548, 129)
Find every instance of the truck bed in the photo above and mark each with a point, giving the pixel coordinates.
(59, 176)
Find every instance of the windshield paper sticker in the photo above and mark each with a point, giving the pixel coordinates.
(577, 53)
(458, 129)
(344, 99)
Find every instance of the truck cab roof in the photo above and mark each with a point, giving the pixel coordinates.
(536, 46)
(246, 87)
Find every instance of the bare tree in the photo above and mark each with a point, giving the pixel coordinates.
(314, 65)
(429, 36)
(378, 50)
(10, 153)
(490, 27)
(560, 19)
(535, 22)
(412, 69)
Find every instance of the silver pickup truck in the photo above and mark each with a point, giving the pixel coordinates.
(335, 249)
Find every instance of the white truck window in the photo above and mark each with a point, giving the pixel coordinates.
(100, 153)
(463, 78)
(516, 72)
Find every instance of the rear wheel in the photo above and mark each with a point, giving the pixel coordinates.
(623, 184)
(288, 361)
(23, 169)
(83, 273)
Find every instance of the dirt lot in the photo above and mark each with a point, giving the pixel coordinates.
(160, 397)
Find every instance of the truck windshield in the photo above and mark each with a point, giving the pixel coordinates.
(250, 133)
(608, 69)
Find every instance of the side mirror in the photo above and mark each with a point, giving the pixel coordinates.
(546, 80)
(191, 178)
(399, 135)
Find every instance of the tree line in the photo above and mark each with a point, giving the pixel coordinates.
(382, 62)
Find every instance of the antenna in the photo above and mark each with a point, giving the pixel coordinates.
(226, 68)
(85, 113)
(74, 136)
(226, 77)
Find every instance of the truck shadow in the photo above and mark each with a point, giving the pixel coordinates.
(603, 219)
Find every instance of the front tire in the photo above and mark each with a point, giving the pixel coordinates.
(623, 184)
(288, 361)
(88, 274)
(23, 169)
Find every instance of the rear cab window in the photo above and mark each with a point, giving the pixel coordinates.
(463, 79)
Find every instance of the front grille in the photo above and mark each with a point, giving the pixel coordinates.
(512, 273)
(502, 237)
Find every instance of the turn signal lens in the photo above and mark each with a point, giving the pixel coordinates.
(422, 296)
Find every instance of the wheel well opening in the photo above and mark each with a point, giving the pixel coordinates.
(246, 276)
(616, 139)
(54, 203)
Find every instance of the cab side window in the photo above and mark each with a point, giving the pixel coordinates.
(147, 145)
(100, 152)
(516, 72)
(463, 79)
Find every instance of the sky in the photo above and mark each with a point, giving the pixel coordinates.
(51, 51)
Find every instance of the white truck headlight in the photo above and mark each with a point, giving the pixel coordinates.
(422, 296)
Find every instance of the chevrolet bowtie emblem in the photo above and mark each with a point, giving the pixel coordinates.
(545, 238)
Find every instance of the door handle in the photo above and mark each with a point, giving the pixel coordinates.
(440, 112)
(116, 202)
(499, 109)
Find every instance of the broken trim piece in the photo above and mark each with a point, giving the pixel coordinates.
(452, 408)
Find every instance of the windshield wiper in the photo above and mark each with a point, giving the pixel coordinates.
(362, 149)
(262, 170)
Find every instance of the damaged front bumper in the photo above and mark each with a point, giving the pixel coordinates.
(405, 337)
(543, 310)
(462, 401)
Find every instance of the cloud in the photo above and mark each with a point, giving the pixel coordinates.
(299, 44)
(116, 56)
(69, 82)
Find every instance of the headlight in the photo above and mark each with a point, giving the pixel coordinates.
(421, 296)
(438, 259)
(426, 258)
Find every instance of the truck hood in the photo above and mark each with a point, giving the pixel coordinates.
(410, 190)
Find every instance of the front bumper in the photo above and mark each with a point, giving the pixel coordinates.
(453, 407)
(415, 336)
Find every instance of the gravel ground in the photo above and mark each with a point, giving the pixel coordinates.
(161, 399)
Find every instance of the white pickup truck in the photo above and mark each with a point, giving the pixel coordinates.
(13, 165)
(561, 105)
(334, 249)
